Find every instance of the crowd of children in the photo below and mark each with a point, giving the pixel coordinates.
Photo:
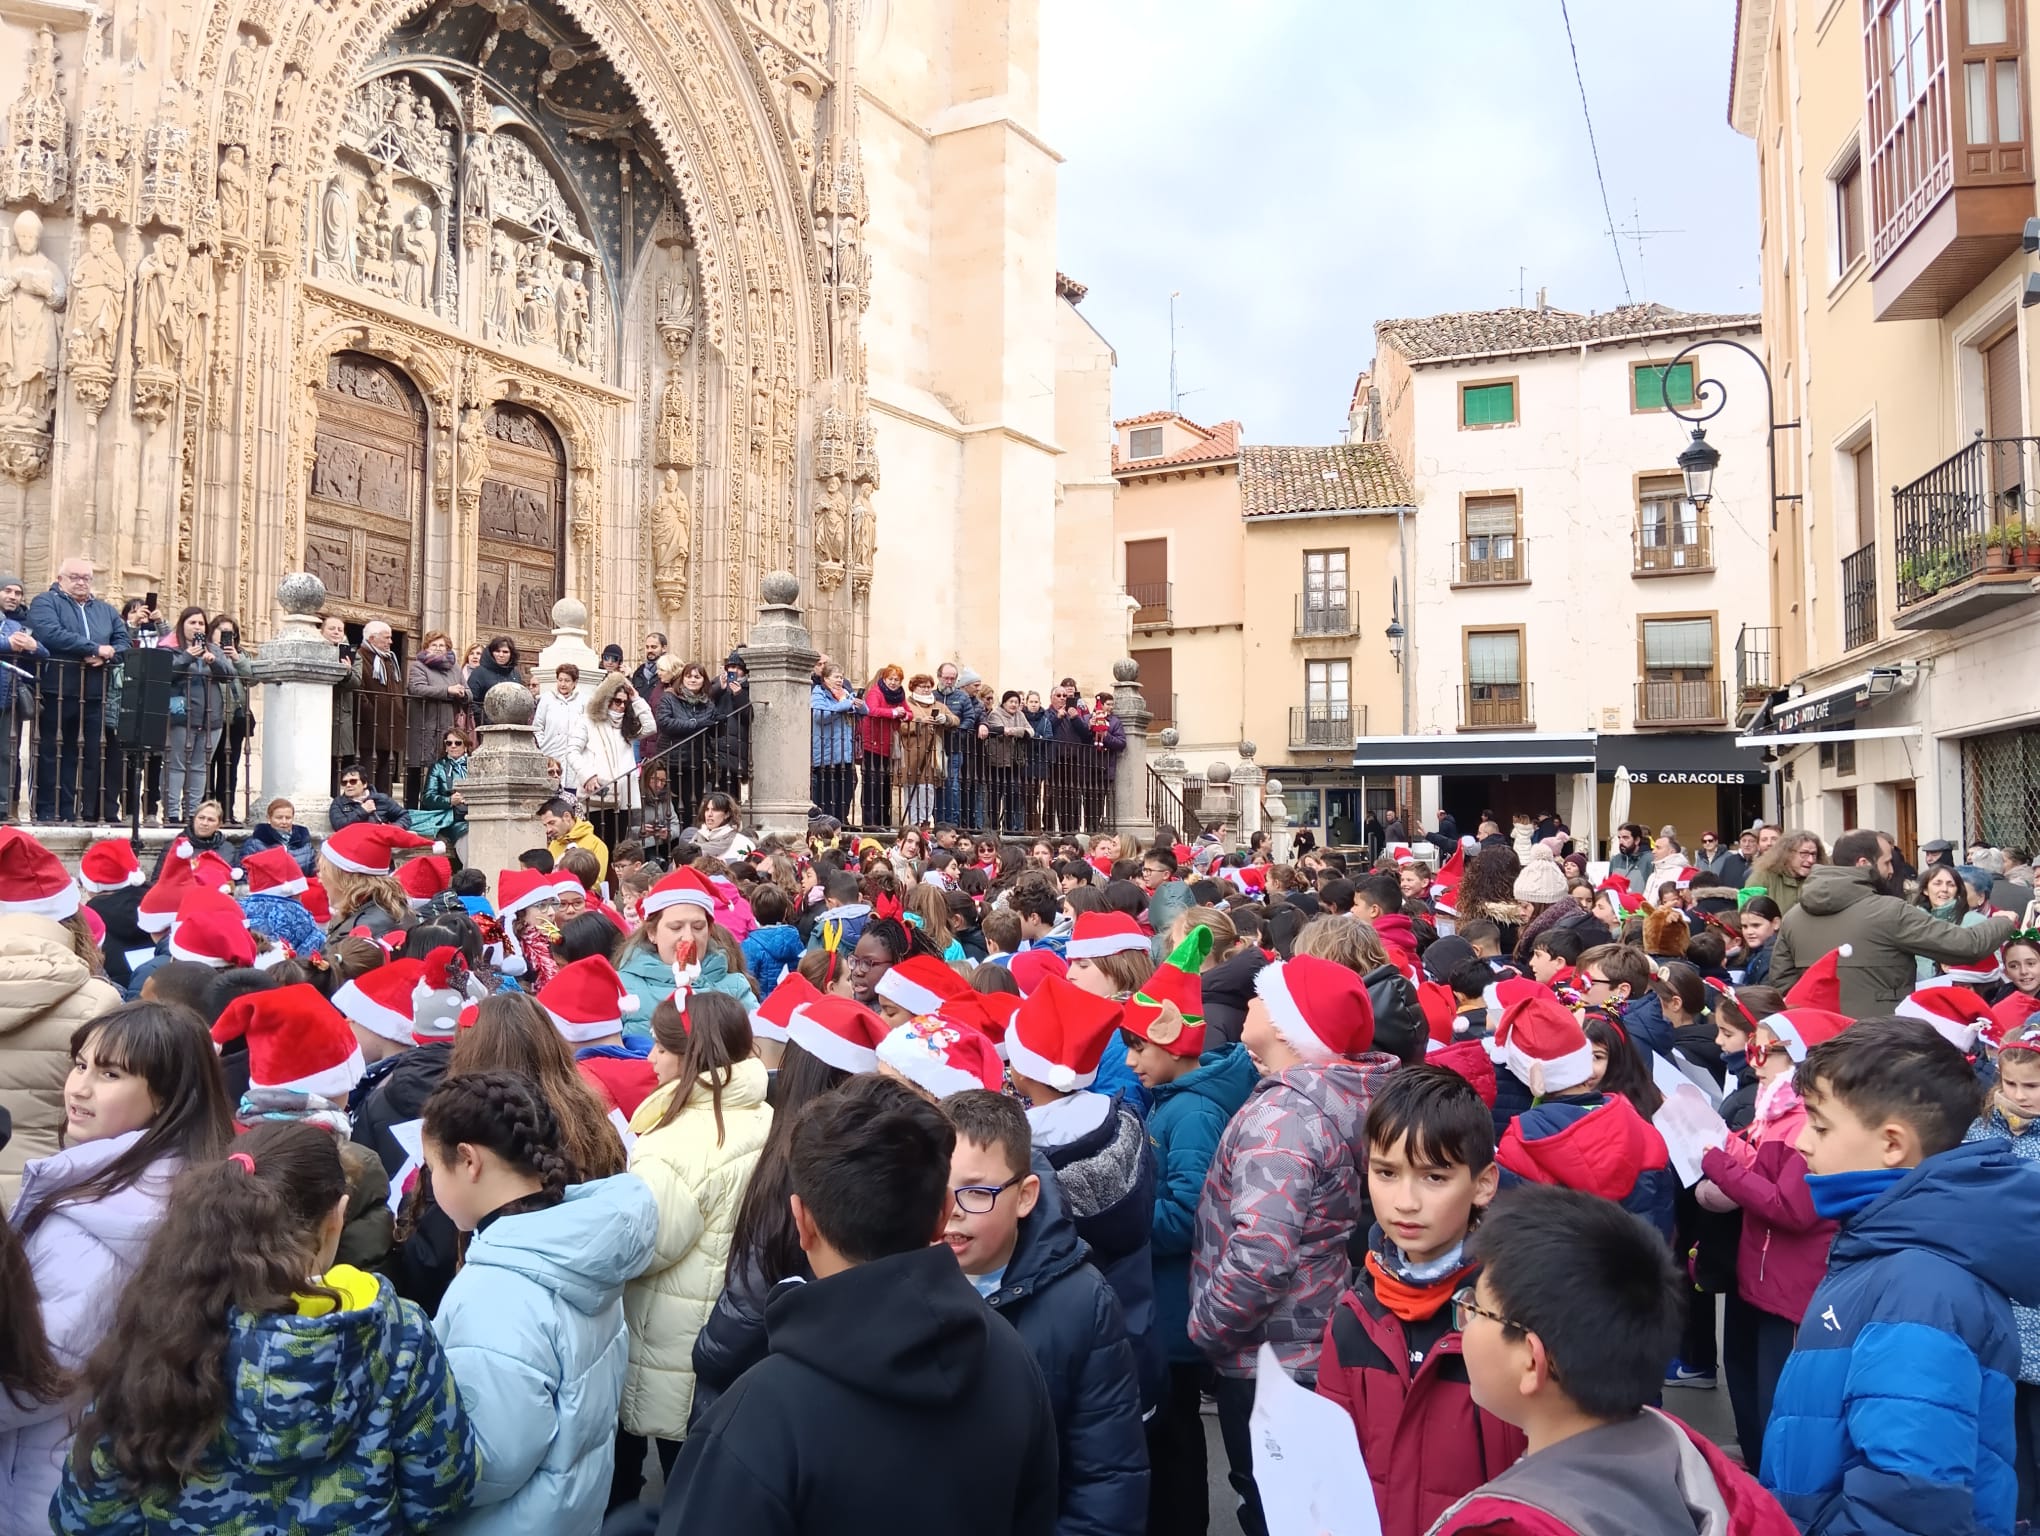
(942, 1198)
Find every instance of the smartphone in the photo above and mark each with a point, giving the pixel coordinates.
(149, 602)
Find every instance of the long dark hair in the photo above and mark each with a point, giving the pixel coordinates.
(715, 1036)
(29, 1370)
(507, 1114)
(1625, 1073)
(511, 1033)
(166, 1046)
(241, 1234)
(764, 1232)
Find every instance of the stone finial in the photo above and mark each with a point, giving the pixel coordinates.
(512, 703)
(1274, 789)
(781, 589)
(1247, 750)
(568, 613)
(1218, 773)
(301, 594)
(1126, 670)
(1169, 738)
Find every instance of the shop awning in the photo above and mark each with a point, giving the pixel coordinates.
(1461, 756)
(1819, 712)
(1679, 757)
(1815, 738)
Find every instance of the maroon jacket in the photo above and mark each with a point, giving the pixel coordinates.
(1784, 1249)
(1425, 1443)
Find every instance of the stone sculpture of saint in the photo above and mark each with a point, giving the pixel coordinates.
(98, 299)
(863, 530)
(233, 190)
(501, 319)
(573, 302)
(832, 523)
(31, 295)
(336, 230)
(164, 300)
(276, 207)
(672, 538)
(417, 249)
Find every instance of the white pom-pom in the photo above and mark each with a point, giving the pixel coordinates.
(439, 847)
(628, 1002)
(183, 847)
(1846, 950)
(135, 877)
(1062, 1079)
(239, 875)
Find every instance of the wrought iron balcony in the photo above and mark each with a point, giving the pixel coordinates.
(1320, 617)
(1755, 670)
(1489, 563)
(1859, 597)
(1672, 548)
(1967, 534)
(1157, 602)
(1320, 727)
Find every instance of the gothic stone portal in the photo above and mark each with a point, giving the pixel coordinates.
(364, 522)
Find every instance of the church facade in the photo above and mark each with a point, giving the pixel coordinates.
(469, 305)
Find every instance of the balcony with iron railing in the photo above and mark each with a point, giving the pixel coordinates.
(1161, 710)
(1681, 701)
(1966, 534)
(1490, 563)
(1326, 727)
(1756, 674)
(1157, 602)
(1859, 597)
(1324, 616)
(1495, 707)
(1671, 548)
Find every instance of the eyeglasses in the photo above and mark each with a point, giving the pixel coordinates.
(979, 1199)
(1464, 1306)
(1596, 981)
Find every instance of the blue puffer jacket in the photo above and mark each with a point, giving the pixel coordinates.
(1895, 1409)
(1188, 1117)
(533, 1329)
(2025, 1143)
(1071, 1323)
(771, 952)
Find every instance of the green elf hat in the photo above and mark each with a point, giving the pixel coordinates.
(1168, 1009)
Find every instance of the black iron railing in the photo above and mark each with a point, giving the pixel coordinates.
(1326, 725)
(1321, 614)
(1973, 513)
(1755, 672)
(1156, 599)
(1859, 597)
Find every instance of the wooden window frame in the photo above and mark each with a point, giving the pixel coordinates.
(1521, 632)
(1703, 528)
(1691, 365)
(1715, 673)
(1329, 662)
(1161, 439)
(1842, 262)
(1515, 383)
(1521, 579)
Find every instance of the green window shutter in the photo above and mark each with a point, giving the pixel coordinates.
(1487, 405)
(1652, 384)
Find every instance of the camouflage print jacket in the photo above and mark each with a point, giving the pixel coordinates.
(339, 1423)
(1285, 1191)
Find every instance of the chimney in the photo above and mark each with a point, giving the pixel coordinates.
(1543, 300)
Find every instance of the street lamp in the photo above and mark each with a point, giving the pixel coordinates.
(1395, 634)
(1701, 457)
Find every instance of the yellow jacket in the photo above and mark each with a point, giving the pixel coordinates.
(698, 1185)
(581, 835)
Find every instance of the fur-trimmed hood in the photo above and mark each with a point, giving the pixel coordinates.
(607, 689)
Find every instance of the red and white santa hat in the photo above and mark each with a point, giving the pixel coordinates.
(273, 872)
(1319, 1008)
(1970, 976)
(1399, 854)
(989, 1013)
(158, 906)
(423, 879)
(1799, 1029)
(109, 866)
(942, 1056)
(210, 929)
(297, 1041)
(1536, 1030)
(519, 888)
(921, 984)
(314, 901)
(1683, 878)
(1105, 933)
(1059, 1035)
(1820, 984)
(775, 1014)
(1445, 883)
(587, 1000)
(566, 883)
(32, 879)
(1957, 1014)
(371, 847)
(839, 1032)
(380, 1000)
(685, 887)
(1031, 967)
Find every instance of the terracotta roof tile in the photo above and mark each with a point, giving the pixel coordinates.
(1340, 477)
(1067, 287)
(1216, 444)
(1509, 332)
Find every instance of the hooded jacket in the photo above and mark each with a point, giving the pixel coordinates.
(1841, 905)
(1184, 1126)
(1228, 988)
(1894, 1412)
(698, 1183)
(339, 1422)
(82, 1256)
(393, 1092)
(1425, 1443)
(1069, 1319)
(770, 952)
(2025, 1143)
(893, 1399)
(832, 740)
(582, 835)
(533, 1329)
(650, 981)
(1783, 1251)
(1286, 1189)
(46, 992)
(1597, 1144)
(604, 755)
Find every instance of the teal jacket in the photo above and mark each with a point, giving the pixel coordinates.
(345, 1424)
(1188, 1117)
(650, 980)
(533, 1328)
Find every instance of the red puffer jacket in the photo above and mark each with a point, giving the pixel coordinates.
(1425, 1443)
(1784, 1248)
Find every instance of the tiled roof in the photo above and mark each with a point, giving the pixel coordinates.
(1507, 332)
(1339, 478)
(1067, 287)
(1215, 444)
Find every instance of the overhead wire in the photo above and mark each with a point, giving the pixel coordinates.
(1614, 240)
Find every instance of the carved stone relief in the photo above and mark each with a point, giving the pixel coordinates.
(106, 168)
(38, 164)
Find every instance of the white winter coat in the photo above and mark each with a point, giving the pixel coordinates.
(559, 726)
(698, 1185)
(605, 755)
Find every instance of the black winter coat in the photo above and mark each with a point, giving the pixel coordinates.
(1228, 988)
(1070, 1319)
(733, 1338)
(394, 1091)
(893, 1399)
(118, 909)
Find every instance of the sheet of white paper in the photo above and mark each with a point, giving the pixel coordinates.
(1689, 1125)
(621, 1121)
(410, 1135)
(1699, 1076)
(137, 958)
(1307, 1461)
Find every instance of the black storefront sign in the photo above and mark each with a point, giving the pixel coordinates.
(1704, 758)
(1793, 719)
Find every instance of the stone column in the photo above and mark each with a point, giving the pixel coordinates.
(506, 783)
(1246, 779)
(1130, 777)
(1277, 810)
(570, 643)
(297, 670)
(781, 656)
(1217, 804)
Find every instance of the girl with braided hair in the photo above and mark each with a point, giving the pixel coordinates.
(248, 1382)
(533, 1324)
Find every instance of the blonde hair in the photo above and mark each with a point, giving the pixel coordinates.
(349, 893)
(1344, 940)
(1224, 937)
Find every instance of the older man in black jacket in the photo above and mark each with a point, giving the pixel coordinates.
(85, 638)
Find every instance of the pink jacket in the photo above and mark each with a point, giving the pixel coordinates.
(731, 910)
(1784, 1248)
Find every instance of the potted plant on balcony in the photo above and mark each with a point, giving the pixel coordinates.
(2027, 553)
(1997, 549)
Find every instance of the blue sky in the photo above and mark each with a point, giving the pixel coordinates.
(1299, 169)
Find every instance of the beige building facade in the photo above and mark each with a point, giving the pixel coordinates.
(1895, 156)
(466, 308)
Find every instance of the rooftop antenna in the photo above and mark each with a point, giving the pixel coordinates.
(1175, 395)
(1637, 235)
(1521, 274)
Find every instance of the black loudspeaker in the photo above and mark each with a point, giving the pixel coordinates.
(144, 720)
